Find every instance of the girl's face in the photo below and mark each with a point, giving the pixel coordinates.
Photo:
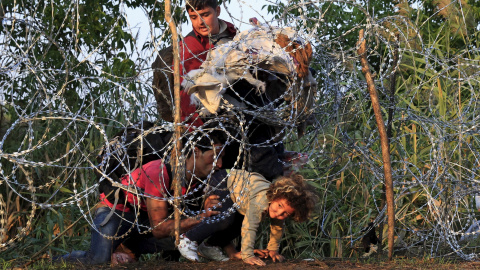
(280, 209)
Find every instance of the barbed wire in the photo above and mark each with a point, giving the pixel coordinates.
(56, 118)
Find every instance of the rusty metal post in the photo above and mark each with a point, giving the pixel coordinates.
(387, 168)
(178, 129)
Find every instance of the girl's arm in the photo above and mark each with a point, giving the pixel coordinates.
(253, 215)
(276, 231)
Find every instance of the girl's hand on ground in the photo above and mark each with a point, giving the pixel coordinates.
(262, 253)
(275, 256)
(254, 261)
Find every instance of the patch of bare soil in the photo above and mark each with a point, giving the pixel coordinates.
(300, 265)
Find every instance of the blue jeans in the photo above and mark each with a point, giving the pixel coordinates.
(101, 248)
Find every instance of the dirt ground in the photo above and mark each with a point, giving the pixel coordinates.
(301, 265)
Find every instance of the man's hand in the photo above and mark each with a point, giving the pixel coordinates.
(211, 201)
(164, 227)
(207, 214)
(254, 261)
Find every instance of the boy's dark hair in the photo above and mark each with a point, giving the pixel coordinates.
(201, 4)
(299, 195)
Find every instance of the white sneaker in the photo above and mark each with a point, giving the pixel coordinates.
(212, 253)
(188, 248)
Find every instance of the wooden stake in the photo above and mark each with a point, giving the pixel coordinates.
(387, 168)
(391, 111)
(178, 129)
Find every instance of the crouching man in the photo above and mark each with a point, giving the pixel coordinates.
(144, 222)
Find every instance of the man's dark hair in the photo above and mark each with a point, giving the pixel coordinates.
(203, 140)
(201, 4)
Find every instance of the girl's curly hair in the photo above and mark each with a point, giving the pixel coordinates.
(299, 195)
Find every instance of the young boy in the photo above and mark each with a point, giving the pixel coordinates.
(208, 32)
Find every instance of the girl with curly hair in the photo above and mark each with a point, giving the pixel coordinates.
(256, 198)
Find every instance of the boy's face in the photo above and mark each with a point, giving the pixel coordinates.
(205, 20)
(280, 209)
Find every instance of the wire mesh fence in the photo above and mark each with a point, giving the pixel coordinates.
(76, 74)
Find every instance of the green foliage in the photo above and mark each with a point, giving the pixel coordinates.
(429, 101)
(337, 17)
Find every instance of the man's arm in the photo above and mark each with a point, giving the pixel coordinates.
(158, 212)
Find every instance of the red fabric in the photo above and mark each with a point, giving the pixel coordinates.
(193, 52)
(152, 178)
